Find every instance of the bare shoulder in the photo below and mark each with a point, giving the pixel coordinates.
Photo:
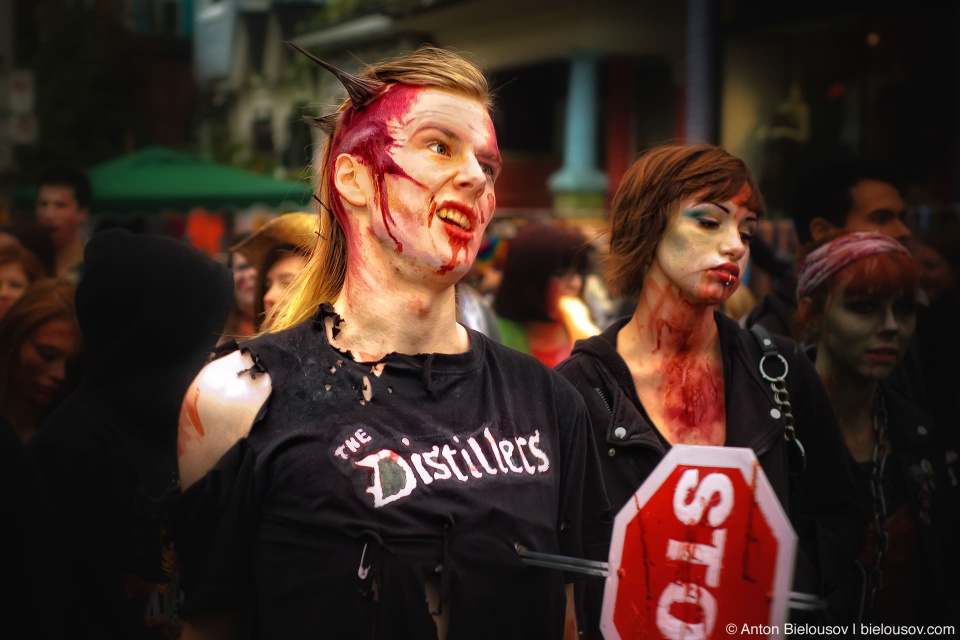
(217, 411)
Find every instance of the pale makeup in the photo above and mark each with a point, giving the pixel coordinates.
(671, 345)
(866, 336)
(279, 277)
(13, 282)
(446, 146)
(705, 250)
(42, 361)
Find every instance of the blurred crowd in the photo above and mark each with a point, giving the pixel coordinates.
(101, 337)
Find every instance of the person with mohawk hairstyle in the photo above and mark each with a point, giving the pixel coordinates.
(370, 468)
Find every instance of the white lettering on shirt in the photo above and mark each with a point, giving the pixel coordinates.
(396, 475)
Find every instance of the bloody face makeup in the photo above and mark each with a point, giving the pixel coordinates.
(433, 157)
(866, 335)
(42, 361)
(705, 249)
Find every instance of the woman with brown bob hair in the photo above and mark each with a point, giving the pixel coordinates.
(39, 342)
(680, 372)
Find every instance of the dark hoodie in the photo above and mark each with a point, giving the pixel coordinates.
(150, 309)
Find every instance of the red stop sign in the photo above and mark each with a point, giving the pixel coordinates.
(702, 549)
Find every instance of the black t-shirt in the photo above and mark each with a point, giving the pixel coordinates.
(358, 483)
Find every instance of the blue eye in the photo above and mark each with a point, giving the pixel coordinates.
(440, 148)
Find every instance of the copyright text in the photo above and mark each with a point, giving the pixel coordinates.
(852, 630)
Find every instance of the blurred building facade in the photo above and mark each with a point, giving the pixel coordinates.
(82, 81)
(571, 80)
(583, 86)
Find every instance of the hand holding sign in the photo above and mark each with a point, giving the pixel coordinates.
(703, 545)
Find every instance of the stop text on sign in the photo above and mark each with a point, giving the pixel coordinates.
(712, 501)
(703, 544)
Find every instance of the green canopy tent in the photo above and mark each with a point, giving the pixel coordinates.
(158, 178)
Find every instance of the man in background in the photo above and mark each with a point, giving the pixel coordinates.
(63, 204)
(853, 197)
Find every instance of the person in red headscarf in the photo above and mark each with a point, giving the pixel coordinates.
(856, 294)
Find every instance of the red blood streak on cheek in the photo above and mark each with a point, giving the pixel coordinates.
(456, 246)
(715, 292)
(365, 133)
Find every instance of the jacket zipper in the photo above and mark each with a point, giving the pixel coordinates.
(603, 399)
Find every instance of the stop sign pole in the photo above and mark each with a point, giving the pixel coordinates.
(703, 548)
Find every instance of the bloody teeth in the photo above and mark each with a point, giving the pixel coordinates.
(454, 217)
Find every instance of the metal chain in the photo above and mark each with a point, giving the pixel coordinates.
(782, 398)
(778, 384)
(880, 538)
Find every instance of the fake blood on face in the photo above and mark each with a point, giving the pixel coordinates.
(365, 133)
(459, 241)
(447, 142)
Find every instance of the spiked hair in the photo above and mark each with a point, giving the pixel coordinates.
(322, 279)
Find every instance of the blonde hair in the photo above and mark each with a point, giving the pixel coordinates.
(322, 278)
